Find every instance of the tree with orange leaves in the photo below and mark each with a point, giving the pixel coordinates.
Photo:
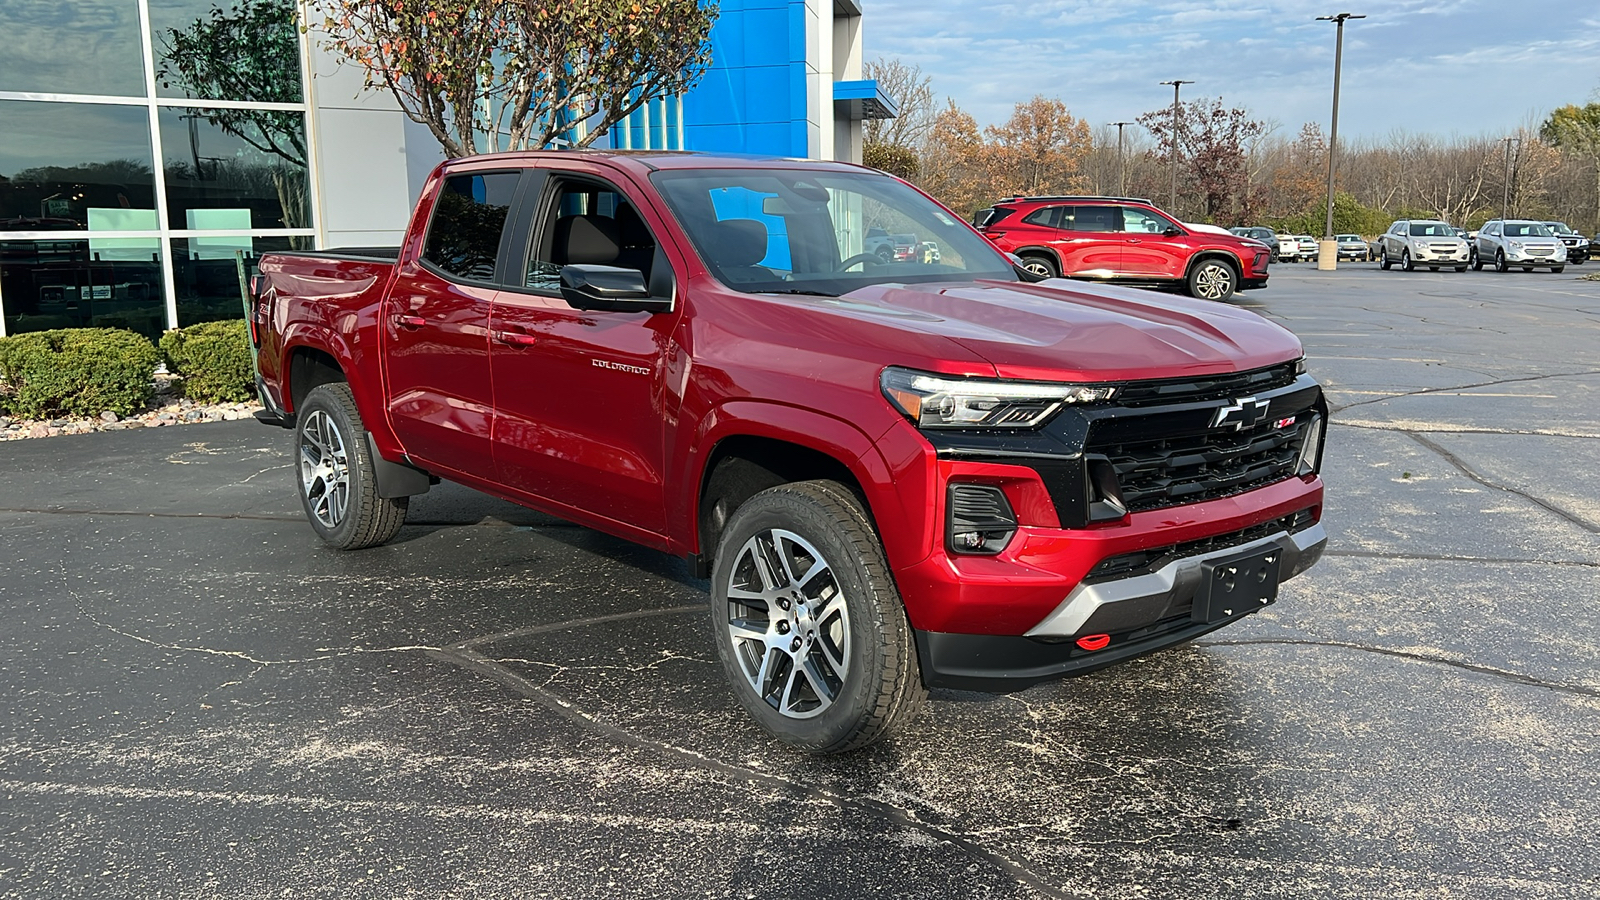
(488, 75)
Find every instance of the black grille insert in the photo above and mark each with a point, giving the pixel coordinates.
(1170, 471)
(1209, 387)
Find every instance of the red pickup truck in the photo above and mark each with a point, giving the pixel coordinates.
(937, 471)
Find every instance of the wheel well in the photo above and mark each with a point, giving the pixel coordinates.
(743, 466)
(308, 368)
(1228, 258)
(1041, 251)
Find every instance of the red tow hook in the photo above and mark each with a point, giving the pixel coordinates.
(1094, 642)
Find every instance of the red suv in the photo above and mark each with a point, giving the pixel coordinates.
(1122, 239)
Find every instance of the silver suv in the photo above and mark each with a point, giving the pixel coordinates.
(1422, 242)
(1519, 242)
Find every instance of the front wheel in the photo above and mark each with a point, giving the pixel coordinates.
(338, 489)
(1557, 270)
(808, 623)
(1383, 259)
(1213, 279)
(1405, 261)
(1477, 263)
(1042, 266)
(1500, 261)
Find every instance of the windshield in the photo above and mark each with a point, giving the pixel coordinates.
(1350, 238)
(1526, 229)
(1431, 229)
(1560, 228)
(799, 231)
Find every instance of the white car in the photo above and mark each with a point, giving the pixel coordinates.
(1288, 248)
(1423, 242)
(1308, 246)
(1519, 242)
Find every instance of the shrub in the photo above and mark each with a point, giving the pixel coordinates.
(213, 358)
(76, 372)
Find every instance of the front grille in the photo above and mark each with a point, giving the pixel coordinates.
(1145, 561)
(1208, 387)
(1154, 474)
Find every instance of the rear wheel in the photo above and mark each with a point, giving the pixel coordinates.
(1527, 268)
(1041, 265)
(338, 489)
(808, 623)
(1213, 279)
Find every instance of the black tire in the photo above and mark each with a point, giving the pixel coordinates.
(334, 472)
(1433, 268)
(1461, 268)
(1383, 258)
(853, 615)
(1500, 261)
(1041, 265)
(1406, 265)
(1477, 263)
(1212, 279)
(1557, 270)
(1527, 268)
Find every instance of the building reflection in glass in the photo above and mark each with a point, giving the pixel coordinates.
(255, 163)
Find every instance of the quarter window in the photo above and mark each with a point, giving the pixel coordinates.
(1049, 217)
(464, 237)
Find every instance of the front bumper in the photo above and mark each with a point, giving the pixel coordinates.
(1135, 616)
(1523, 258)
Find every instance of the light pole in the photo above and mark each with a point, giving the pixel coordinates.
(1505, 191)
(1172, 203)
(1328, 252)
(1122, 173)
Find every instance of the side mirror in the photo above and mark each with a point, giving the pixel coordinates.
(610, 289)
(1172, 231)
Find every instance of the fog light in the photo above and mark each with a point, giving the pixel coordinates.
(980, 519)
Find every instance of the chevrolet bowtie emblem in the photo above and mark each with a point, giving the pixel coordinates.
(1241, 413)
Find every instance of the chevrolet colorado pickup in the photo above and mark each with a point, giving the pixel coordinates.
(896, 474)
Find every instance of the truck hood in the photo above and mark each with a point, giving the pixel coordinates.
(1070, 331)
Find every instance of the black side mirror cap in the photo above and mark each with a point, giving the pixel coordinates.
(610, 289)
(1172, 231)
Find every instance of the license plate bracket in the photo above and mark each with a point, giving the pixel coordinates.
(1233, 585)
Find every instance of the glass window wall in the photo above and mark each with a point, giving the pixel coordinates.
(72, 166)
(245, 50)
(150, 225)
(235, 168)
(83, 283)
(206, 271)
(72, 47)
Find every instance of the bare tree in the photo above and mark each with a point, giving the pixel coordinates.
(912, 92)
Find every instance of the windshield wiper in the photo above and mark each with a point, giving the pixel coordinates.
(804, 292)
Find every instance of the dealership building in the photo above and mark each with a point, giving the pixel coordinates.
(149, 148)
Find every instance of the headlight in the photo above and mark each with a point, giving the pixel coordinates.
(1515, 245)
(933, 401)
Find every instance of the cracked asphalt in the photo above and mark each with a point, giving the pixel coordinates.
(198, 700)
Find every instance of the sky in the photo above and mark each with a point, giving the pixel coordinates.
(1466, 68)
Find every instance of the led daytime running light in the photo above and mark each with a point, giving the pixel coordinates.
(933, 401)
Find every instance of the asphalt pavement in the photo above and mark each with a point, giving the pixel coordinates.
(199, 700)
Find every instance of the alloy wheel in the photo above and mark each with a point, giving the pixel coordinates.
(324, 469)
(789, 623)
(1214, 281)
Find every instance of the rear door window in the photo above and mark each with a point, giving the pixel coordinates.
(469, 220)
(1090, 218)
